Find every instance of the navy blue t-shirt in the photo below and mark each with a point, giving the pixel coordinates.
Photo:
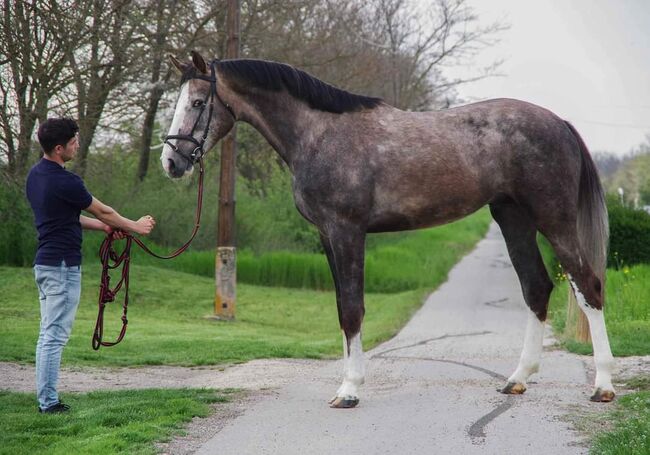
(57, 197)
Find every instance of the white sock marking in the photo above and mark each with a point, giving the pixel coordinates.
(354, 369)
(602, 353)
(530, 355)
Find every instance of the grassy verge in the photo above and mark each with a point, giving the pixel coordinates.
(627, 307)
(627, 312)
(168, 325)
(631, 432)
(625, 428)
(127, 421)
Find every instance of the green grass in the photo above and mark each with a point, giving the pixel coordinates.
(168, 325)
(630, 427)
(127, 422)
(627, 312)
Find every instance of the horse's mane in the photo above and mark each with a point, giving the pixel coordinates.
(277, 76)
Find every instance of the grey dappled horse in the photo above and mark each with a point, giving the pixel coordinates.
(360, 165)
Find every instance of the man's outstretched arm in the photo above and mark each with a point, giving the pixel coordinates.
(109, 216)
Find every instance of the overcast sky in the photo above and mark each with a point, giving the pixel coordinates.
(586, 60)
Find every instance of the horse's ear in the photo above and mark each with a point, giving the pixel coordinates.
(180, 66)
(199, 63)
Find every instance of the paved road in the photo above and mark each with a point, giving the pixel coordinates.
(432, 388)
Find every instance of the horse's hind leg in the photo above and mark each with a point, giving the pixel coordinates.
(345, 253)
(520, 235)
(588, 290)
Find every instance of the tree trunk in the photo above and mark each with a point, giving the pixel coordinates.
(147, 132)
(27, 123)
(87, 127)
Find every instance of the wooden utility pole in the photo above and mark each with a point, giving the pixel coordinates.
(226, 260)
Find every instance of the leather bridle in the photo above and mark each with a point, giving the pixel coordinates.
(198, 151)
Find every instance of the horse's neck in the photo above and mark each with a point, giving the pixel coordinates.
(288, 124)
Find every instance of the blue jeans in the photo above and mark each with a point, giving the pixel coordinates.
(59, 289)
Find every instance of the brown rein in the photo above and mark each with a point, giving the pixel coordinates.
(107, 254)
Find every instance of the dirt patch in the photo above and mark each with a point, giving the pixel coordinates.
(626, 368)
(253, 375)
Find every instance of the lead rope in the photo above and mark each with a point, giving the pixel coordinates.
(107, 254)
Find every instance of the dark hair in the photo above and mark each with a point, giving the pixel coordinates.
(56, 131)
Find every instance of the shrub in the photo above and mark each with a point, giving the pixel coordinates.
(629, 240)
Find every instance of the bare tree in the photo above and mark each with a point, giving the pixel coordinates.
(155, 39)
(103, 62)
(418, 42)
(36, 39)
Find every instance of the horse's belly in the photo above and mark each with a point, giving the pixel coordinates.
(407, 216)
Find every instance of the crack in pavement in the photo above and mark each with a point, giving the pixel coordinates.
(476, 431)
(494, 374)
(494, 303)
(429, 340)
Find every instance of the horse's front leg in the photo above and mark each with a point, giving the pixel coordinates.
(345, 247)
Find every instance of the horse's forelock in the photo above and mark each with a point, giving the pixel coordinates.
(189, 72)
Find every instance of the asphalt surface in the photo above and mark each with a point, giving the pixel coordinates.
(432, 388)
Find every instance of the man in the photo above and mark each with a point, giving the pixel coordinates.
(57, 197)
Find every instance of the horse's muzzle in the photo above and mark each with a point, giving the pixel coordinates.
(173, 170)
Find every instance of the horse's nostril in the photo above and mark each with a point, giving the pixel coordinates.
(171, 164)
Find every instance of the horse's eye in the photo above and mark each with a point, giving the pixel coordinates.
(197, 103)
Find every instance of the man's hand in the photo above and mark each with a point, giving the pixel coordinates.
(145, 225)
(118, 234)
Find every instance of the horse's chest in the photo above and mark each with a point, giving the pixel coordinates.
(321, 198)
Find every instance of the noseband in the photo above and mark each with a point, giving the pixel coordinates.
(198, 151)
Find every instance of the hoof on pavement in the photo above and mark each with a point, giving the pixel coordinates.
(344, 402)
(513, 388)
(603, 396)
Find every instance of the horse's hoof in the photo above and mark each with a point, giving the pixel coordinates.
(513, 388)
(344, 402)
(603, 396)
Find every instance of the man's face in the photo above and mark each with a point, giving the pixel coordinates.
(69, 151)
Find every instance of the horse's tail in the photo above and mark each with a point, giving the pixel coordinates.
(593, 223)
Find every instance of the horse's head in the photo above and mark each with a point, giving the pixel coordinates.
(200, 119)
